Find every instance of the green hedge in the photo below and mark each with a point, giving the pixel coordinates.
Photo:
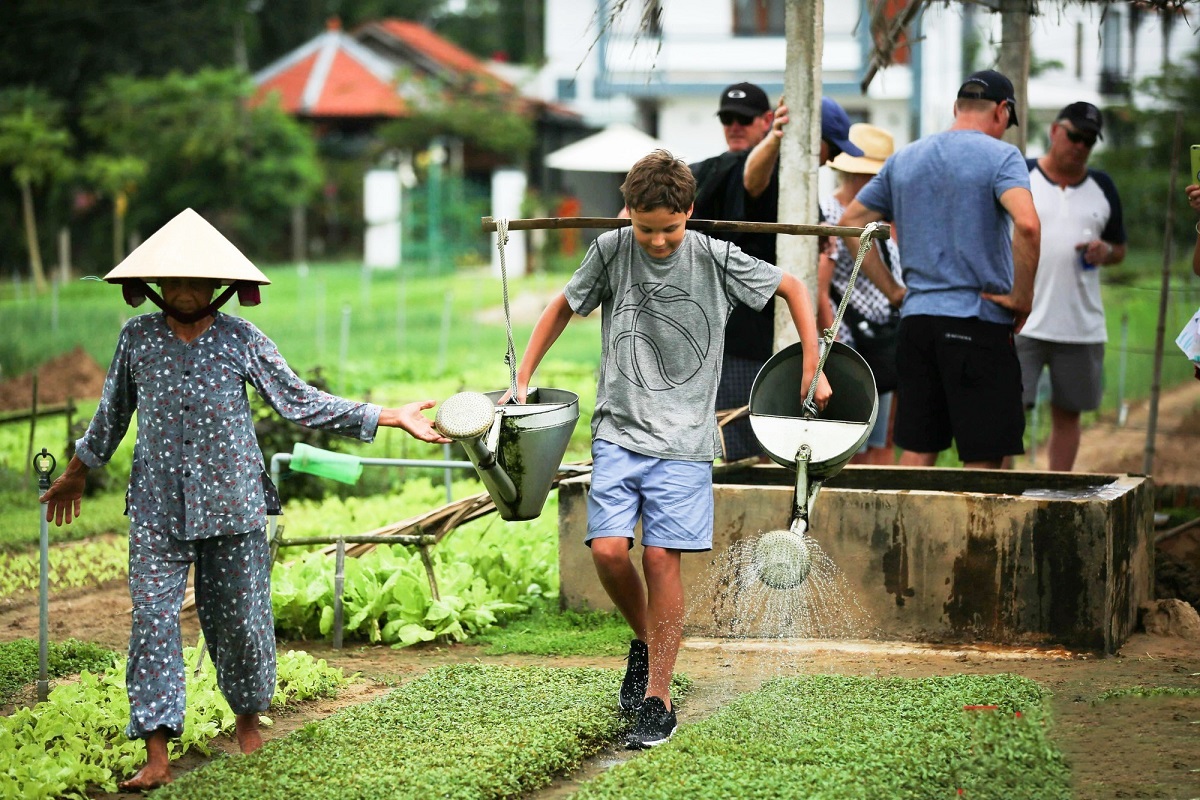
(468, 731)
(843, 738)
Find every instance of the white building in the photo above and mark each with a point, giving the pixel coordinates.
(667, 81)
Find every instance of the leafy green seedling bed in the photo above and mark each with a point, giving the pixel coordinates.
(19, 665)
(546, 631)
(465, 731)
(76, 740)
(844, 738)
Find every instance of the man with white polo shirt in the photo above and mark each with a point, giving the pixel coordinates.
(1083, 230)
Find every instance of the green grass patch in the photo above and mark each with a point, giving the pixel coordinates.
(75, 741)
(843, 738)
(467, 731)
(19, 665)
(546, 631)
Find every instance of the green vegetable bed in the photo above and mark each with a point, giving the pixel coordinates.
(844, 738)
(465, 731)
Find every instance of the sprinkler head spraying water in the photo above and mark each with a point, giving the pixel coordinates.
(781, 558)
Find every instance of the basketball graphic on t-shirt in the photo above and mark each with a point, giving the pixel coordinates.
(662, 336)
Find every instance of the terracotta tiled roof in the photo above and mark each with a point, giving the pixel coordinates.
(331, 75)
(441, 50)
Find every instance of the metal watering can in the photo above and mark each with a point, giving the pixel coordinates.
(516, 447)
(817, 448)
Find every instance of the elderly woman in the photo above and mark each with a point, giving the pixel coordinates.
(198, 494)
(869, 316)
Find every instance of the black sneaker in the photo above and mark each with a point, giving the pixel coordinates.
(637, 677)
(654, 725)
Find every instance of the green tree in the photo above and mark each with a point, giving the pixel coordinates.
(115, 177)
(1137, 154)
(206, 148)
(36, 149)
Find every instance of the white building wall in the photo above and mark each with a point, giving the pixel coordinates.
(678, 77)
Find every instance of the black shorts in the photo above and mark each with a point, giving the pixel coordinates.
(960, 380)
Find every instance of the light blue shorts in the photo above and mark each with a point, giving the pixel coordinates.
(674, 499)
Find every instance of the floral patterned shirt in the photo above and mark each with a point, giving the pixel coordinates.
(197, 470)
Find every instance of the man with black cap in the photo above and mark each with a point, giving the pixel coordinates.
(1066, 332)
(746, 116)
(969, 238)
(752, 160)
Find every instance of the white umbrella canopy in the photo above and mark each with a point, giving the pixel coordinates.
(614, 149)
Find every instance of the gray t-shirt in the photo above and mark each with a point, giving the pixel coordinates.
(663, 330)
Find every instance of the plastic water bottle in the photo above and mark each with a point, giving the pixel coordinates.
(1088, 236)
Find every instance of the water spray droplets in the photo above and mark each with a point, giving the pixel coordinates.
(782, 585)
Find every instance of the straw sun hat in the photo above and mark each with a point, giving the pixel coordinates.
(187, 247)
(876, 144)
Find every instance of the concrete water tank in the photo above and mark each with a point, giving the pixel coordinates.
(933, 555)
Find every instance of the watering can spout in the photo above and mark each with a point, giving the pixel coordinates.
(516, 448)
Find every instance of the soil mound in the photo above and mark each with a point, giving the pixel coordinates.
(74, 375)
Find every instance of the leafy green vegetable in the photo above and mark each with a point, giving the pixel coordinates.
(76, 738)
(546, 631)
(19, 662)
(841, 738)
(71, 566)
(486, 570)
(1148, 691)
(465, 731)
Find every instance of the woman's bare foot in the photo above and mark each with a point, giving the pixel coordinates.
(248, 736)
(157, 771)
(148, 777)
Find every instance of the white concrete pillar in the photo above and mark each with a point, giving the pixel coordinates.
(508, 194)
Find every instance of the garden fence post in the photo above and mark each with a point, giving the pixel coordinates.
(339, 581)
(1122, 406)
(43, 465)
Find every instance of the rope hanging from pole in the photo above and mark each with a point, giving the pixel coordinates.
(510, 357)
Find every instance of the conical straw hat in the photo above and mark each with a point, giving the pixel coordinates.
(877, 147)
(187, 247)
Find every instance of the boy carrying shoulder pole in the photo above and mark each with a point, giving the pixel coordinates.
(665, 294)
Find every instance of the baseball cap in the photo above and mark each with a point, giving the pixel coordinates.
(744, 98)
(835, 127)
(988, 84)
(1084, 117)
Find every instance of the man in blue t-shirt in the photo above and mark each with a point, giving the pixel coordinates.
(969, 239)
(1066, 331)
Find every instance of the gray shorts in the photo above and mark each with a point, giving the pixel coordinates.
(1076, 372)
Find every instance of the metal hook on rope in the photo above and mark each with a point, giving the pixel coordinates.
(510, 357)
(865, 242)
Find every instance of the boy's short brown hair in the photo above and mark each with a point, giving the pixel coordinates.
(659, 180)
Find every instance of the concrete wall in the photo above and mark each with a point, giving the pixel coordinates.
(1025, 558)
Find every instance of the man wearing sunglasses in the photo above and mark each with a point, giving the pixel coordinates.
(969, 237)
(745, 115)
(1065, 333)
(747, 119)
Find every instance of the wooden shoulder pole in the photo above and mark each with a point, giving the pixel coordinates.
(702, 225)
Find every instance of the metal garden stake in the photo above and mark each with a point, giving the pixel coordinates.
(43, 465)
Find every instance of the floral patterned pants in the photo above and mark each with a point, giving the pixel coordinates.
(233, 602)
